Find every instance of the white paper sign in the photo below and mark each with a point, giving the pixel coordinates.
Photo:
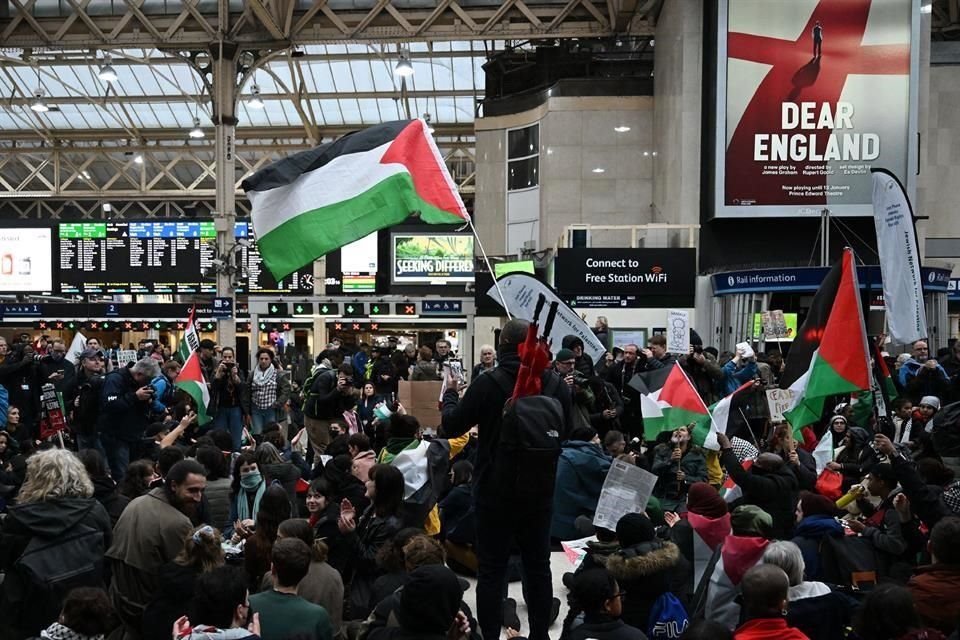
(779, 400)
(678, 331)
(627, 489)
(125, 357)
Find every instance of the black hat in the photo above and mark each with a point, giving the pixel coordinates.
(565, 354)
(430, 601)
(89, 354)
(207, 343)
(634, 528)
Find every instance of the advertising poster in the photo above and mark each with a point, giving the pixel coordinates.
(810, 96)
(26, 260)
(420, 258)
(782, 327)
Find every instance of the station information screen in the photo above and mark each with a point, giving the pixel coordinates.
(160, 257)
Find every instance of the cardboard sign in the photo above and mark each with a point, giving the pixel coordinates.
(678, 331)
(125, 357)
(420, 400)
(779, 400)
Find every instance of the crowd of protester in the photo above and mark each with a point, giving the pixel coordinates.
(311, 504)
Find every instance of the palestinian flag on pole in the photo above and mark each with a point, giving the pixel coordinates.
(882, 373)
(191, 341)
(839, 363)
(675, 404)
(192, 382)
(313, 202)
(705, 432)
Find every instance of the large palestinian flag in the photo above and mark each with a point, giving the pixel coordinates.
(839, 363)
(191, 381)
(313, 202)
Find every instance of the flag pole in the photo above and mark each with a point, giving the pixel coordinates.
(503, 300)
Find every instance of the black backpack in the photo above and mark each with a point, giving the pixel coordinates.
(531, 429)
(87, 411)
(48, 569)
(310, 395)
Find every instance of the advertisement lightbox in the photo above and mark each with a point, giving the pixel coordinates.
(426, 258)
(26, 260)
(810, 97)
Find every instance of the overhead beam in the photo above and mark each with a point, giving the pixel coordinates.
(128, 26)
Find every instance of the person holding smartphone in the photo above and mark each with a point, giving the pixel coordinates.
(56, 369)
(331, 393)
(125, 399)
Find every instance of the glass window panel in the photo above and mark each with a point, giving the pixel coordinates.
(331, 111)
(342, 76)
(383, 79)
(523, 174)
(523, 142)
(369, 111)
(445, 110)
(462, 73)
(351, 111)
(360, 70)
(322, 77)
(390, 109)
(336, 48)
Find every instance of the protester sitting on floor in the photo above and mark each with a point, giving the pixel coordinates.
(888, 613)
(581, 471)
(86, 615)
(430, 608)
(815, 521)
(646, 567)
(221, 609)
(765, 591)
(936, 587)
(596, 594)
(678, 464)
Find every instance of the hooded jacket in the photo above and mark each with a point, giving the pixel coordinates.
(49, 520)
(773, 491)
(808, 535)
(122, 414)
(580, 474)
(176, 583)
(106, 493)
(936, 595)
(605, 628)
(646, 571)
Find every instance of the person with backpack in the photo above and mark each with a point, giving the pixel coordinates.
(655, 575)
(51, 541)
(327, 394)
(164, 390)
(514, 486)
(85, 405)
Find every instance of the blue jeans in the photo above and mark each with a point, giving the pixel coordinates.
(231, 419)
(118, 455)
(91, 441)
(259, 418)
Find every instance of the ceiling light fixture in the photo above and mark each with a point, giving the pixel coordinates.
(403, 69)
(254, 101)
(85, 174)
(107, 72)
(196, 133)
(599, 170)
(621, 129)
(38, 104)
(138, 158)
(107, 207)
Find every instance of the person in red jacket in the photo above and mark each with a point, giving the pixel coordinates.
(764, 588)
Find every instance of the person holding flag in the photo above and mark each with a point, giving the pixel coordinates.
(678, 465)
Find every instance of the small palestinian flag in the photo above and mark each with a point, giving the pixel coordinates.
(839, 364)
(191, 340)
(192, 382)
(675, 404)
(313, 202)
(705, 431)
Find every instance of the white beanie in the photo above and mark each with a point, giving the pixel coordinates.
(930, 401)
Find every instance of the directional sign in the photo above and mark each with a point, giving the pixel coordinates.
(302, 308)
(278, 309)
(353, 309)
(21, 310)
(328, 308)
(405, 308)
(222, 308)
(379, 308)
(441, 307)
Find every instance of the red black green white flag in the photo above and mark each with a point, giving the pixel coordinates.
(192, 382)
(313, 202)
(839, 364)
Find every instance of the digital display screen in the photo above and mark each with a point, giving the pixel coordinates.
(158, 257)
(425, 258)
(358, 265)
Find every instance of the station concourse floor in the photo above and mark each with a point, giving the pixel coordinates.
(559, 564)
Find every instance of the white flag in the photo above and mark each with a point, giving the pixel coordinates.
(823, 453)
(899, 259)
(77, 347)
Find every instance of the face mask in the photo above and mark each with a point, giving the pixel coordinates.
(251, 481)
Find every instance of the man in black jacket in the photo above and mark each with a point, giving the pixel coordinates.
(619, 375)
(125, 398)
(504, 519)
(57, 370)
(331, 393)
(769, 484)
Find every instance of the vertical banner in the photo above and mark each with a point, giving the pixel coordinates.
(678, 331)
(899, 259)
(810, 96)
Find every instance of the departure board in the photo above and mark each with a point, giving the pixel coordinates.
(158, 257)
